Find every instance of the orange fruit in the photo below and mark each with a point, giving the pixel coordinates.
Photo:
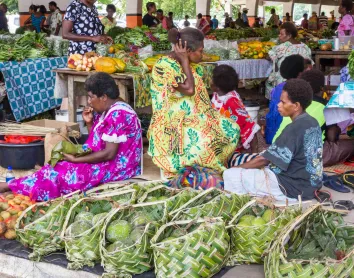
(111, 50)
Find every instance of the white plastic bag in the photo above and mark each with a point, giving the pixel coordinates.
(145, 52)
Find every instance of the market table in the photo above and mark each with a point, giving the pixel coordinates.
(30, 85)
(250, 68)
(122, 81)
(319, 54)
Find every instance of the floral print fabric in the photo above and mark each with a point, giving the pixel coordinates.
(119, 125)
(86, 23)
(232, 107)
(277, 54)
(186, 130)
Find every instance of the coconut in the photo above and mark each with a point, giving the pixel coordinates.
(269, 215)
(244, 224)
(98, 217)
(162, 198)
(151, 199)
(115, 246)
(258, 221)
(247, 218)
(86, 216)
(79, 227)
(137, 233)
(118, 230)
(141, 219)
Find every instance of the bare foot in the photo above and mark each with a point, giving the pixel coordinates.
(4, 187)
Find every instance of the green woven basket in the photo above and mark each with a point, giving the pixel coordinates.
(200, 248)
(83, 249)
(318, 243)
(249, 240)
(174, 198)
(137, 257)
(40, 225)
(203, 197)
(225, 205)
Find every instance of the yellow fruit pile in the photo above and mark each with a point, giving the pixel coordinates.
(254, 49)
(110, 65)
(11, 207)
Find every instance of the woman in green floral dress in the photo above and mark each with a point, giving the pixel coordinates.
(185, 130)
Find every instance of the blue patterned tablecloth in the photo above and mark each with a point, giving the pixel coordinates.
(30, 85)
(250, 68)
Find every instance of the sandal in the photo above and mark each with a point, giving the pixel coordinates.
(335, 183)
(343, 205)
(323, 196)
(348, 178)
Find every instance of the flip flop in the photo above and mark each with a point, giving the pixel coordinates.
(323, 196)
(343, 205)
(335, 183)
(348, 179)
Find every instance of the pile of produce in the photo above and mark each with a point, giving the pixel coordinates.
(254, 228)
(83, 62)
(83, 225)
(125, 238)
(195, 248)
(40, 225)
(351, 64)
(141, 37)
(255, 49)
(317, 244)
(11, 207)
(30, 45)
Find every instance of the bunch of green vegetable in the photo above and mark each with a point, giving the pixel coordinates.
(351, 64)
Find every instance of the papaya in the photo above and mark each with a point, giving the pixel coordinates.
(121, 64)
(210, 58)
(106, 64)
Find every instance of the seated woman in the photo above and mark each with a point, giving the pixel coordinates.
(289, 46)
(292, 165)
(290, 68)
(185, 129)
(229, 103)
(115, 140)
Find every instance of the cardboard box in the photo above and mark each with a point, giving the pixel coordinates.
(54, 124)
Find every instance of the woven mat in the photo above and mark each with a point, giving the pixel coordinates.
(340, 168)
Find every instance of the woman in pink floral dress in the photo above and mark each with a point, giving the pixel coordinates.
(115, 141)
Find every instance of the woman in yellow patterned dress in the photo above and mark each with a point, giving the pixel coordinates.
(185, 130)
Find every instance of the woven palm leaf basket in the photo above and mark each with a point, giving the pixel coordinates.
(191, 248)
(174, 198)
(125, 238)
(225, 205)
(40, 225)
(83, 225)
(318, 243)
(254, 227)
(203, 197)
(140, 187)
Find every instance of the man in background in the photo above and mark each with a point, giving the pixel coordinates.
(149, 19)
(169, 20)
(215, 23)
(3, 19)
(55, 20)
(323, 19)
(186, 23)
(228, 20)
(245, 17)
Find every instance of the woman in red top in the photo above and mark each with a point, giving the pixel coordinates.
(202, 24)
(305, 22)
(229, 103)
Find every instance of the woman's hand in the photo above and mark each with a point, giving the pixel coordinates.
(102, 39)
(181, 52)
(69, 158)
(87, 115)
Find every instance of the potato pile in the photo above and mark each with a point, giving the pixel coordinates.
(11, 207)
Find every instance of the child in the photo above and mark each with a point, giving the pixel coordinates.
(228, 102)
(292, 165)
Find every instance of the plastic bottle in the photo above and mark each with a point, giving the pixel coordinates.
(9, 174)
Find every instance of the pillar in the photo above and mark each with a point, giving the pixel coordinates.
(203, 7)
(316, 8)
(252, 6)
(134, 11)
(288, 7)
